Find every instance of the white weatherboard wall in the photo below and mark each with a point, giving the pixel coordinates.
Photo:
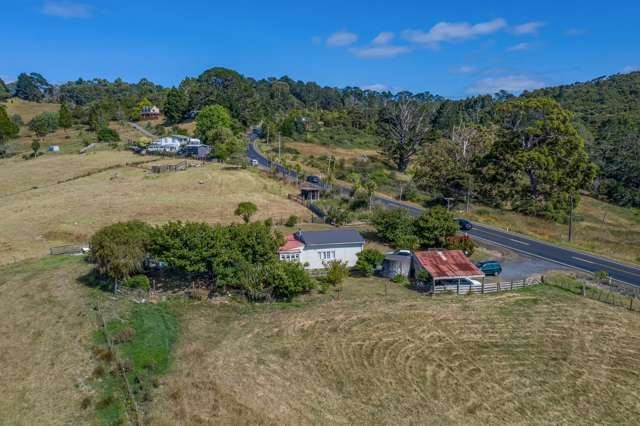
(316, 255)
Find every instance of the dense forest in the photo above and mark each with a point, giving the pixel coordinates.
(425, 135)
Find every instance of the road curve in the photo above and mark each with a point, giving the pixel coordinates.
(574, 259)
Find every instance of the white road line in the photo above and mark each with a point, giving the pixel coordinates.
(518, 241)
(583, 260)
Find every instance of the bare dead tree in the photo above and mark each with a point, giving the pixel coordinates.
(470, 142)
(405, 125)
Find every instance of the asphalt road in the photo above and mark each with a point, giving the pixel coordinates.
(524, 245)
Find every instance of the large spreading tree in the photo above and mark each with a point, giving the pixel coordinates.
(538, 161)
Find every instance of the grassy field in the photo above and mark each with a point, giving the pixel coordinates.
(600, 228)
(538, 356)
(543, 355)
(45, 332)
(54, 214)
(27, 110)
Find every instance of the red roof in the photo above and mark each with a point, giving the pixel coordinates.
(291, 243)
(447, 264)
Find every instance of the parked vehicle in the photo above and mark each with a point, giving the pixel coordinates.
(254, 162)
(313, 179)
(463, 281)
(464, 224)
(490, 267)
(403, 252)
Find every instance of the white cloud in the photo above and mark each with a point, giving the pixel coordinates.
(379, 52)
(376, 87)
(510, 83)
(342, 38)
(630, 68)
(465, 69)
(383, 38)
(528, 28)
(66, 9)
(519, 47)
(449, 32)
(575, 32)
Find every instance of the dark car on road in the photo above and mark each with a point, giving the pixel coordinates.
(464, 224)
(490, 267)
(313, 179)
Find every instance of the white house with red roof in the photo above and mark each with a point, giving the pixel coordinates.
(314, 248)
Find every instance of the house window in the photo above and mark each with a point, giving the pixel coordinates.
(327, 255)
(290, 257)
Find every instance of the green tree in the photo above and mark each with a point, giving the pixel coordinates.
(4, 91)
(44, 123)
(246, 210)
(119, 249)
(65, 119)
(393, 225)
(137, 110)
(108, 135)
(538, 160)
(434, 227)
(370, 186)
(223, 142)
(337, 271)
(35, 147)
(368, 260)
(8, 129)
(210, 118)
(32, 87)
(176, 106)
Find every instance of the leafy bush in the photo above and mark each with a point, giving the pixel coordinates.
(400, 279)
(44, 123)
(393, 225)
(465, 243)
(108, 135)
(292, 221)
(275, 280)
(138, 281)
(368, 261)
(434, 227)
(337, 271)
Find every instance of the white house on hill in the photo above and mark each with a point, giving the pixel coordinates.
(312, 248)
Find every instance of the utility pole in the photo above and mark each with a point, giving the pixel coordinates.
(279, 146)
(449, 200)
(570, 217)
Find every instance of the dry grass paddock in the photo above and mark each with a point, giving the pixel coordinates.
(45, 336)
(36, 219)
(27, 110)
(540, 356)
(317, 150)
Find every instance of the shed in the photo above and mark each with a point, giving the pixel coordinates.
(445, 265)
(396, 264)
(53, 148)
(309, 192)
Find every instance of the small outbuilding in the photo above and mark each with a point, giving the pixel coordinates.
(445, 265)
(53, 148)
(396, 263)
(309, 192)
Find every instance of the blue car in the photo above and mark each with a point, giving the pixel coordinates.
(313, 179)
(490, 267)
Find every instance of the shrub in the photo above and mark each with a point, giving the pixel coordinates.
(108, 135)
(44, 123)
(138, 281)
(465, 243)
(337, 271)
(368, 261)
(400, 279)
(434, 227)
(292, 221)
(422, 276)
(393, 225)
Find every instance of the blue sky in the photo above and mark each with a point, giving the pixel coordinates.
(452, 48)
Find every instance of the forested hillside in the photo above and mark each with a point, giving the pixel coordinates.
(423, 135)
(609, 108)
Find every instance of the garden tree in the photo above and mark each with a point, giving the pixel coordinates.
(434, 227)
(223, 143)
(35, 147)
(245, 210)
(405, 126)
(4, 91)
(356, 182)
(119, 249)
(44, 123)
(32, 87)
(394, 226)
(176, 106)
(464, 243)
(98, 119)
(210, 119)
(274, 280)
(65, 119)
(337, 271)
(338, 216)
(370, 187)
(368, 260)
(8, 129)
(538, 160)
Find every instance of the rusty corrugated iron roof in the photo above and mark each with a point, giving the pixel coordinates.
(291, 243)
(447, 264)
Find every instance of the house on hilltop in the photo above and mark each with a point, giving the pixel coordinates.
(313, 248)
(149, 112)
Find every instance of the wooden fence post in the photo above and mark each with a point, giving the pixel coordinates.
(631, 303)
(458, 287)
(511, 284)
(482, 287)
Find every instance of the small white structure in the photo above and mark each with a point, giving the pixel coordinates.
(53, 148)
(313, 248)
